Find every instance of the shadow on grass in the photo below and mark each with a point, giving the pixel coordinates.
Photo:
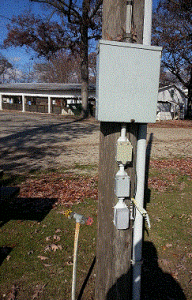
(4, 252)
(34, 209)
(155, 284)
(87, 279)
(147, 165)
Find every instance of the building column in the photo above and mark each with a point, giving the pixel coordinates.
(1, 102)
(23, 103)
(49, 105)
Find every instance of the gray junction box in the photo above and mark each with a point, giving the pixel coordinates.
(127, 82)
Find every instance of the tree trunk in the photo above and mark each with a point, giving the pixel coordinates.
(189, 105)
(84, 77)
(84, 58)
(114, 247)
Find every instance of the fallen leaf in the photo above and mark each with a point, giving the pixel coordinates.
(175, 275)
(42, 257)
(53, 247)
(47, 265)
(56, 247)
(181, 267)
(165, 262)
(66, 190)
(158, 219)
(13, 293)
(56, 237)
(47, 248)
(48, 238)
(39, 289)
(183, 215)
(57, 230)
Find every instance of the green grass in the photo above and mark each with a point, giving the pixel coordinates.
(84, 166)
(170, 212)
(25, 265)
(12, 180)
(28, 264)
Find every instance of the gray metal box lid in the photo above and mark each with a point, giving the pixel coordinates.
(127, 82)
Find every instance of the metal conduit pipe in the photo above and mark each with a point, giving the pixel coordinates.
(147, 23)
(140, 172)
(138, 223)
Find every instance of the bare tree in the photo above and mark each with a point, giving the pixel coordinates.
(4, 66)
(92, 67)
(61, 68)
(173, 31)
(80, 21)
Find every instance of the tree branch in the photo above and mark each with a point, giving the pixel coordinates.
(95, 10)
(62, 6)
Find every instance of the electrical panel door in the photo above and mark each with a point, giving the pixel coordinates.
(127, 82)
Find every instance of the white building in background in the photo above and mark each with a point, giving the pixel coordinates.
(172, 103)
(43, 97)
(65, 98)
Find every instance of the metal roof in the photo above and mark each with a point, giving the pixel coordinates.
(172, 86)
(45, 88)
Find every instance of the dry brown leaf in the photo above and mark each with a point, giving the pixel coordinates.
(175, 275)
(165, 262)
(42, 257)
(55, 247)
(39, 289)
(56, 237)
(66, 190)
(47, 248)
(47, 265)
(13, 293)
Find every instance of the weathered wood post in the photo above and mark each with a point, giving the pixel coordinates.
(1, 102)
(114, 247)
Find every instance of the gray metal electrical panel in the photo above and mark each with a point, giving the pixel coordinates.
(127, 82)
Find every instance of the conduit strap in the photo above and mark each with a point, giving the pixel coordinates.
(142, 211)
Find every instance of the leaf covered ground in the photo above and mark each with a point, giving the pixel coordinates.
(36, 239)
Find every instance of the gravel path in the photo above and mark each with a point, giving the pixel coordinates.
(171, 142)
(34, 141)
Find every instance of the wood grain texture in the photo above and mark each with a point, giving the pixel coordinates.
(138, 19)
(114, 247)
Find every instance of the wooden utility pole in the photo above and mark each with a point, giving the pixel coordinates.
(114, 247)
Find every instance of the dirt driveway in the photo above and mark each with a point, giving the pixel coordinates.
(34, 141)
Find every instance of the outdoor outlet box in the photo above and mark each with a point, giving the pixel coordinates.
(127, 82)
(121, 218)
(122, 186)
(124, 152)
